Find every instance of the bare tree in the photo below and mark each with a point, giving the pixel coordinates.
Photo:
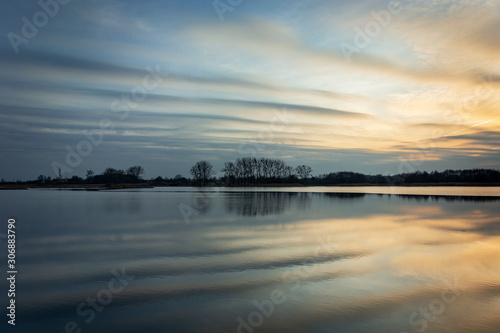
(247, 169)
(229, 171)
(266, 167)
(289, 172)
(202, 171)
(112, 175)
(251, 170)
(239, 171)
(280, 168)
(90, 176)
(303, 171)
(135, 171)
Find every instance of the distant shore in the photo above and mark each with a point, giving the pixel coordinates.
(88, 187)
(98, 187)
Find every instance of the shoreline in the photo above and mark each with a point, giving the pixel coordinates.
(98, 187)
(88, 187)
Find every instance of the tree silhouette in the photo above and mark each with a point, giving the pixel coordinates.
(89, 175)
(135, 172)
(202, 171)
(303, 171)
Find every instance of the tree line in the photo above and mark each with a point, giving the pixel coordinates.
(482, 176)
(250, 171)
(254, 171)
(108, 176)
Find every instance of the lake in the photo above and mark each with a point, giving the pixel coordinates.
(256, 260)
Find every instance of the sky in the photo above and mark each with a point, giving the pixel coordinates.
(367, 86)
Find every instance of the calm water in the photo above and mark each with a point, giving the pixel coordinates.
(237, 261)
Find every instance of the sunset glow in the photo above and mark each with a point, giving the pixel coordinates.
(361, 86)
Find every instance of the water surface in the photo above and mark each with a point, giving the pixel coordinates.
(244, 261)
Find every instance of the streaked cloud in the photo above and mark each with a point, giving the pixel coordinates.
(425, 88)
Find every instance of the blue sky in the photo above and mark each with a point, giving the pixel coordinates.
(368, 86)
